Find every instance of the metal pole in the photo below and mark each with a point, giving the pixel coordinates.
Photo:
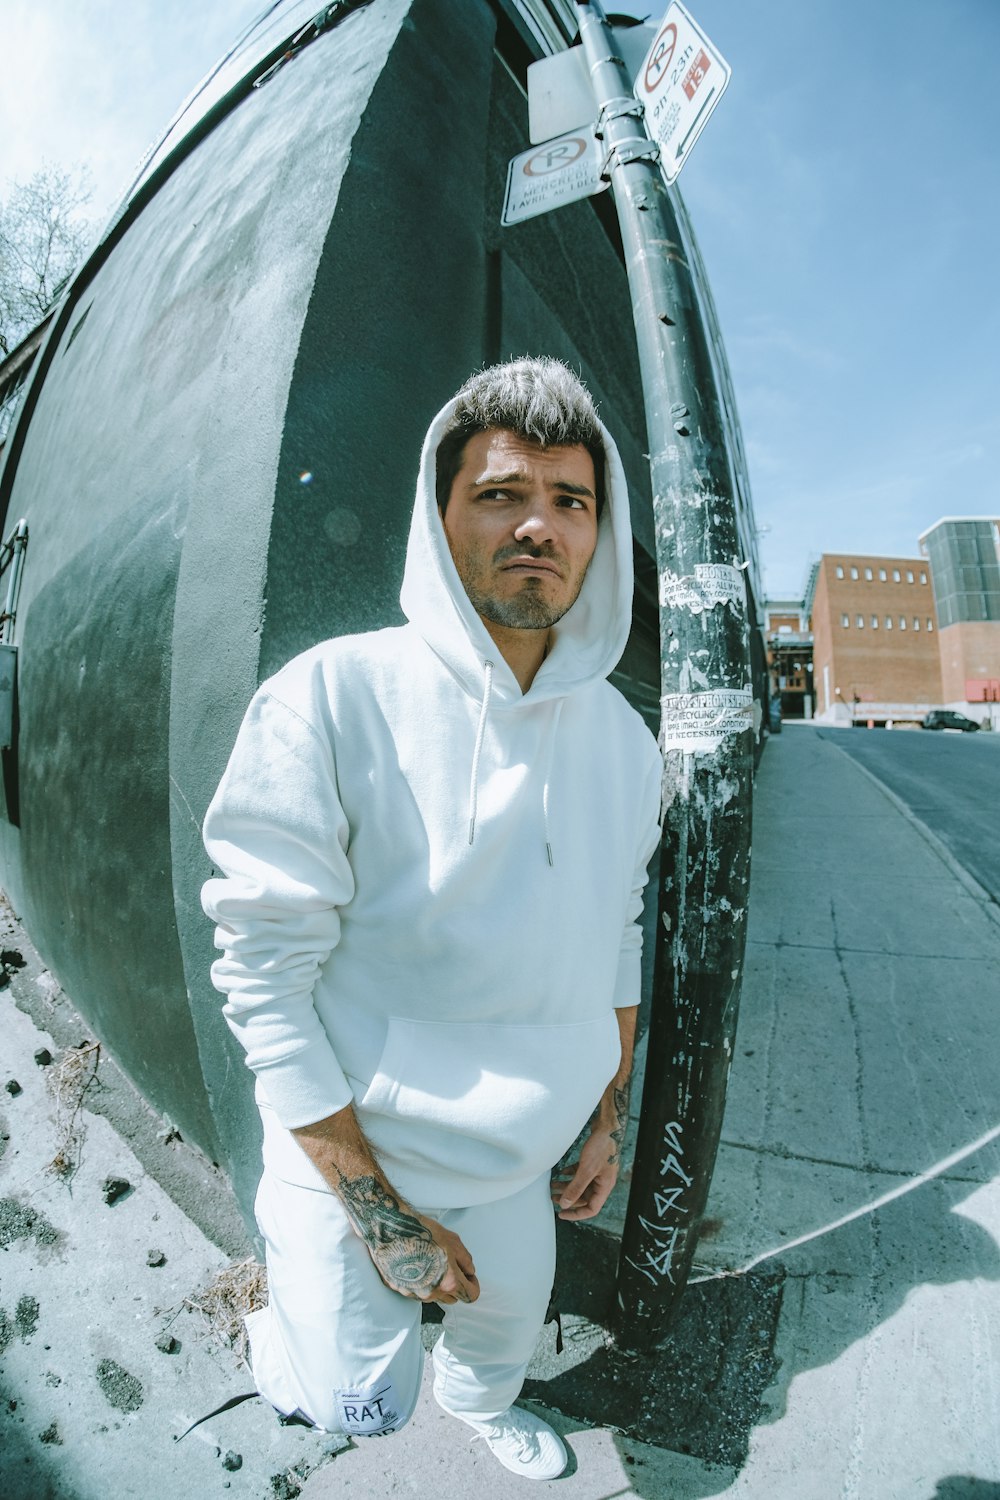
(16, 543)
(706, 724)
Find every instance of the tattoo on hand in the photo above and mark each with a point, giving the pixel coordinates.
(620, 1099)
(403, 1249)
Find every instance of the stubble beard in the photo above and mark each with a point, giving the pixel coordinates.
(526, 610)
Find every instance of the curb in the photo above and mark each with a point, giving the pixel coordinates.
(978, 892)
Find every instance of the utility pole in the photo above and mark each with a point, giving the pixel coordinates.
(706, 722)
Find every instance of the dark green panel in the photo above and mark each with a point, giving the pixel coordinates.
(95, 696)
(396, 322)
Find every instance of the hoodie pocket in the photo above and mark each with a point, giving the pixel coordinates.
(473, 1104)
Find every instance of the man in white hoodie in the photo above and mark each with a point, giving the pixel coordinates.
(434, 842)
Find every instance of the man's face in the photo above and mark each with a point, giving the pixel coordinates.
(521, 522)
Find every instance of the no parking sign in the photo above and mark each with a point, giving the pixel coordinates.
(559, 171)
(679, 84)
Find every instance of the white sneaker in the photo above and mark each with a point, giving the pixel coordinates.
(523, 1443)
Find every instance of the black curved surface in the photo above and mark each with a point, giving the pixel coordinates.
(297, 296)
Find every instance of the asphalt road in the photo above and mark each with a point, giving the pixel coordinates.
(950, 781)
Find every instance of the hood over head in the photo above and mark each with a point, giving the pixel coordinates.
(587, 643)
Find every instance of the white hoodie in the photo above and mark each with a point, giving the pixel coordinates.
(433, 881)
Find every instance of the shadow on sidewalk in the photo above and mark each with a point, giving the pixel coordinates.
(26, 1472)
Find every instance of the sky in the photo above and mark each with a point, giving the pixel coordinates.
(845, 194)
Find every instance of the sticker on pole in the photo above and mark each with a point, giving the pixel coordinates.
(560, 171)
(699, 722)
(680, 83)
(710, 584)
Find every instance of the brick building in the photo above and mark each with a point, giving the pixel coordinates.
(875, 639)
(964, 557)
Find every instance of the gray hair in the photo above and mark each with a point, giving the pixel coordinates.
(539, 399)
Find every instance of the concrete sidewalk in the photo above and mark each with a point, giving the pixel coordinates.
(858, 1180)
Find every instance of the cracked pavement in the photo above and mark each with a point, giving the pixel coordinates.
(850, 1261)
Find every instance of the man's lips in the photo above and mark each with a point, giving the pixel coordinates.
(531, 565)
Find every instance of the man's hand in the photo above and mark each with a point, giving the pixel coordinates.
(582, 1192)
(414, 1255)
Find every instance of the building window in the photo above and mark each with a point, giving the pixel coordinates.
(909, 575)
(930, 624)
(840, 571)
(868, 575)
(874, 622)
(902, 623)
(895, 575)
(888, 622)
(923, 578)
(881, 575)
(916, 623)
(845, 621)
(861, 622)
(854, 573)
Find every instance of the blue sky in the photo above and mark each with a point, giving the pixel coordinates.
(846, 195)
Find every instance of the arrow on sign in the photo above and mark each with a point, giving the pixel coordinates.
(694, 124)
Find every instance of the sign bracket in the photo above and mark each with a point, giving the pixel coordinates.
(620, 156)
(618, 109)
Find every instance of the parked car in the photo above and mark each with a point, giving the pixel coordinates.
(946, 718)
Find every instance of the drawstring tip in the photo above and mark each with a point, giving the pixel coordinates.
(548, 850)
(472, 830)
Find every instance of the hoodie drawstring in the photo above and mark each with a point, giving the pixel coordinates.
(477, 752)
(480, 734)
(549, 754)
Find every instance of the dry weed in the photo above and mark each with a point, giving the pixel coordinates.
(237, 1290)
(67, 1080)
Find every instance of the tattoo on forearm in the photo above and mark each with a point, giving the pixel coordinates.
(620, 1099)
(403, 1249)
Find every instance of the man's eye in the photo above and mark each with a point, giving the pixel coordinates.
(494, 495)
(572, 500)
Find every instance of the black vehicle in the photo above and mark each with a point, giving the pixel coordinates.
(945, 718)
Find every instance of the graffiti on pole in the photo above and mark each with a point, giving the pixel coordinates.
(667, 1198)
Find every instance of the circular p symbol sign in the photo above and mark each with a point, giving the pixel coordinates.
(660, 58)
(554, 156)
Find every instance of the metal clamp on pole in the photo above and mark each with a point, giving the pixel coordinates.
(620, 156)
(618, 109)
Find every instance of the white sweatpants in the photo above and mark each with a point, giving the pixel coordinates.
(336, 1344)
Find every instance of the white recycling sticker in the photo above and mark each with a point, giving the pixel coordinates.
(711, 584)
(699, 722)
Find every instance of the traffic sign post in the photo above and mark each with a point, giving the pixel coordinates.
(679, 84)
(560, 97)
(560, 171)
(706, 697)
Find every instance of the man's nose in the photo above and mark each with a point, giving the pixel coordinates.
(536, 524)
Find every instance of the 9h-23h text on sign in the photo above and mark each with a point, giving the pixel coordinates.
(679, 84)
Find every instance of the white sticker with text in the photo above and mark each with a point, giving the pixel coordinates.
(699, 722)
(369, 1413)
(711, 584)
